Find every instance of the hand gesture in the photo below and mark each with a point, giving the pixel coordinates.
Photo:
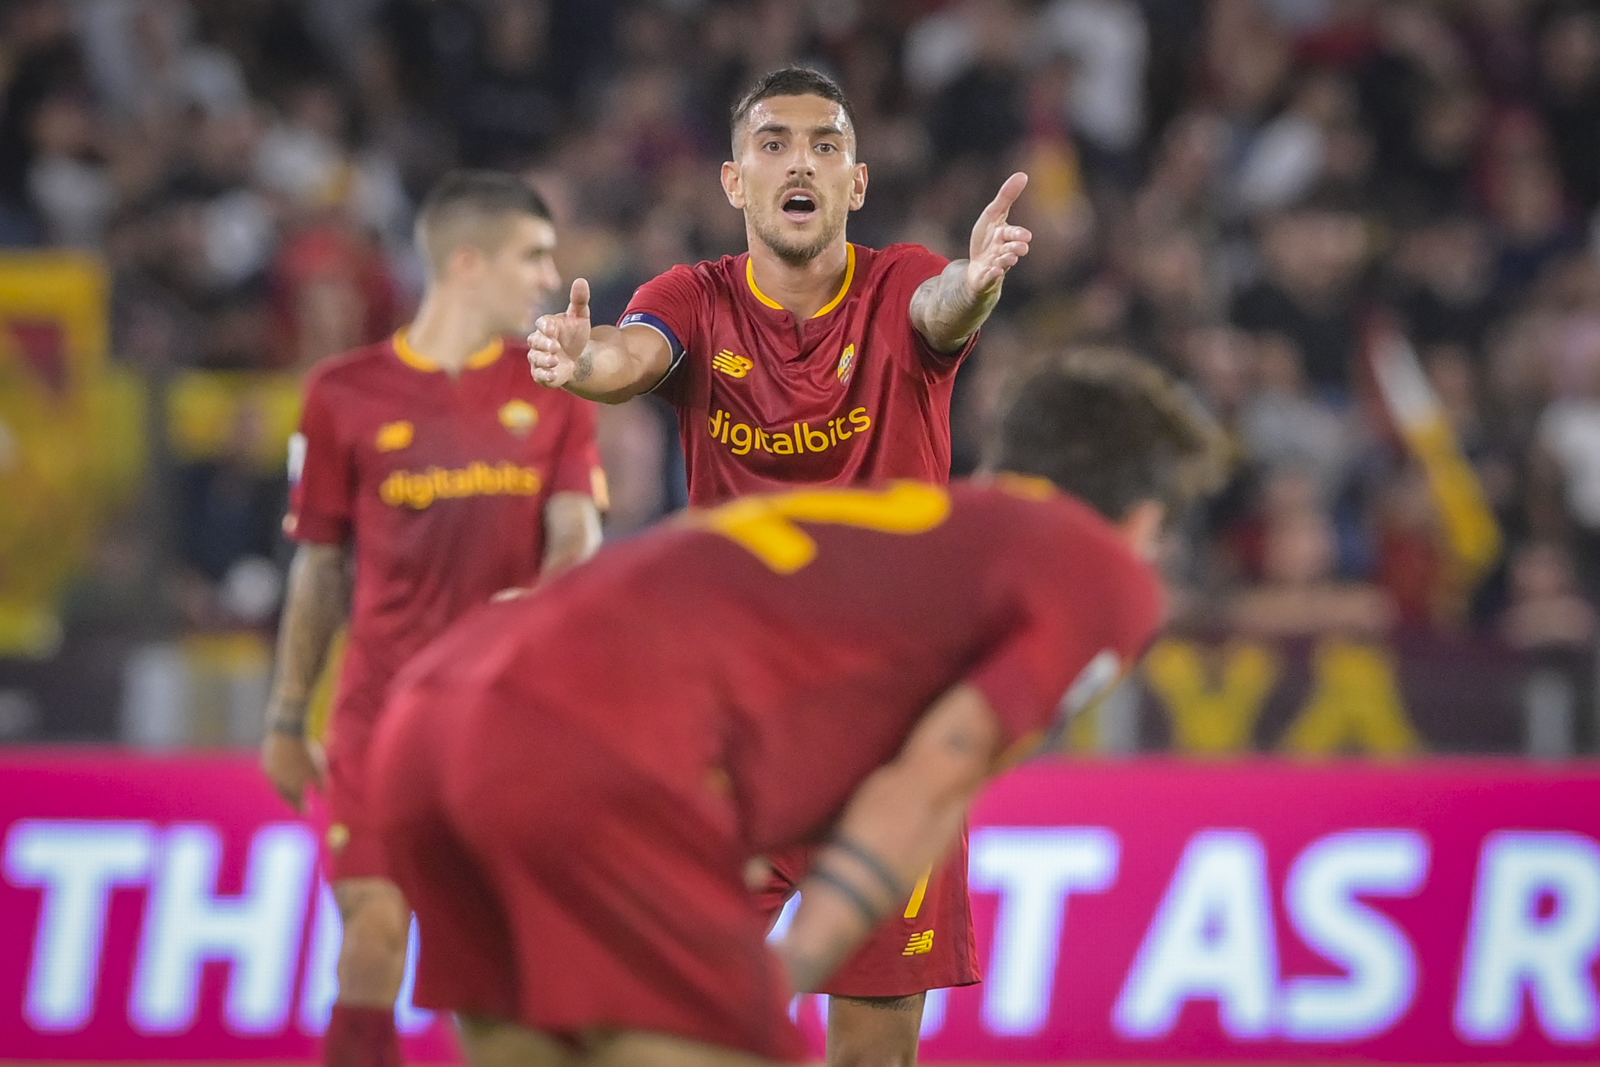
(557, 341)
(292, 763)
(996, 246)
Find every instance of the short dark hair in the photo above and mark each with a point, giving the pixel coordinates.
(1110, 428)
(790, 81)
(465, 205)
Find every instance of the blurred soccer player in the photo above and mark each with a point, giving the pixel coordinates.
(570, 784)
(433, 468)
(810, 361)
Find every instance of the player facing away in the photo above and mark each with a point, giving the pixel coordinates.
(570, 784)
(809, 360)
(431, 469)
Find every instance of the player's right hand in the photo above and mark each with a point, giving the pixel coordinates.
(557, 341)
(292, 763)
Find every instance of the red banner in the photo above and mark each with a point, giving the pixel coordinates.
(1153, 910)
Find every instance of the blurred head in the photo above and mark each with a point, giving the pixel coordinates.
(794, 172)
(489, 236)
(1316, 248)
(1541, 569)
(1112, 429)
(1300, 548)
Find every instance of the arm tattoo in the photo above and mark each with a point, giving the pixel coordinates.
(583, 366)
(945, 313)
(318, 601)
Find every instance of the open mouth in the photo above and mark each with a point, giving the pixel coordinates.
(799, 205)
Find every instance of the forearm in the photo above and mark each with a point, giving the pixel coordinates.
(946, 312)
(317, 604)
(610, 372)
(901, 821)
(572, 533)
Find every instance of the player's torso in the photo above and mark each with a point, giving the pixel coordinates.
(451, 478)
(842, 400)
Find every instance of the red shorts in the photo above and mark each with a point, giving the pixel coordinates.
(929, 946)
(350, 845)
(559, 888)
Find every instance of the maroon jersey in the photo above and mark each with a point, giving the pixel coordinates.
(580, 775)
(852, 397)
(792, 641)
(438, 486)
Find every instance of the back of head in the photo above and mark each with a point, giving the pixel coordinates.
(789, 81)
(471, 207)
(1109, 428)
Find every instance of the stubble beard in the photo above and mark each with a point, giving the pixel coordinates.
(797, 255)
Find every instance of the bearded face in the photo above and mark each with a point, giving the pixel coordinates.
(795, 177)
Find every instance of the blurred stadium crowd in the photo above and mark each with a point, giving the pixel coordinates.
(1256, 193)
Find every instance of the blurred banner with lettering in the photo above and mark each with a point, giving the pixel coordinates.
(1152, 910)
(71, 436)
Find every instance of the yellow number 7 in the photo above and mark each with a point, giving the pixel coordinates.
(766, 524)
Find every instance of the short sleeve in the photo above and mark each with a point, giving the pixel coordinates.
(576, 468)
(322, 475)
(671, 304)
(1072, 639)
(913, 266)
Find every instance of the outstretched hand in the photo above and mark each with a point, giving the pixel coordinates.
(557, 341)
(997, 245)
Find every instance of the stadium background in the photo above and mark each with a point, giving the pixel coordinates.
(1364, 232)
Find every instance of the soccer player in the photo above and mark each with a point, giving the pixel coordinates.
(810, 361)
(570, 784)
(434, 469)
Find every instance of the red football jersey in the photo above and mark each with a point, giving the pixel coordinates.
(437, 485)
(853, 396)
(790, 642)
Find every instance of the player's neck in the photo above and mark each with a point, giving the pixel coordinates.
(448, 332)
(802, 289)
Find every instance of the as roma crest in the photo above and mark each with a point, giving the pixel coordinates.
(847, 363)
(519, 417)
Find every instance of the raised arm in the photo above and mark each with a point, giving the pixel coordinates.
(599, 363)
(571, 532)
(900, 822)
(318, 602)
(948, 308)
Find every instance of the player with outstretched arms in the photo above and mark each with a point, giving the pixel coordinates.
(429, 474)
(809, 360)
(571, 784)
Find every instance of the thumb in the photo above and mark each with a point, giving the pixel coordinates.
(580, 298)
(1012, 188)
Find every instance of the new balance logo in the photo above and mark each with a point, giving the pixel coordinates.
(917, 944)
(732, 364)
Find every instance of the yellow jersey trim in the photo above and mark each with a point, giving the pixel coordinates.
(914, 905)
(849, 276)
(417, 361)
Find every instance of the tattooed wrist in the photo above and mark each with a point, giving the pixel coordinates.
(583, 366)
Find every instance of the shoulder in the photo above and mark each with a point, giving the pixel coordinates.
(899, 267)
(1051, 533)
(911, 259)
(349, 369)
(704, 276)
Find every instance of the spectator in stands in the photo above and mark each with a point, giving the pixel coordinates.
(1308, 299)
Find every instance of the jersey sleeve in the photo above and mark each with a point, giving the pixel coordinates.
(1072, 640)
(322, 474)
(913, 266)
(673, 305)
(577, 463)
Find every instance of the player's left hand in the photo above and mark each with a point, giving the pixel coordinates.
(996, 244)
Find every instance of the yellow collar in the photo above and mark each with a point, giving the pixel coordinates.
(849, 275)
(416, 360)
